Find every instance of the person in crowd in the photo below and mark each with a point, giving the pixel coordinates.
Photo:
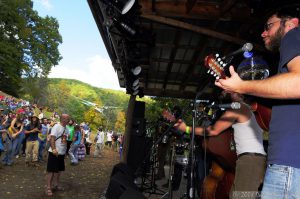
(81, 151)
(120, 140)
(281, 33)
(115, 141)
(109, 138)
(74, 145)
(70, 127)
(14, 131)
(57, 151)
(18, 141)
(32, 142)
(2, 131)
(51, 124)
(42, 137)
(99, 139)
(41, 114)
(251, 162)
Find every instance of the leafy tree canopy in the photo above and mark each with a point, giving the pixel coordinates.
(28, 44)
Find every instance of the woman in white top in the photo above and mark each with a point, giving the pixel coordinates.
(251, 163)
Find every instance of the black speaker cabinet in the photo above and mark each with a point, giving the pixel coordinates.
(119, 183)
(139, 109)
(123, 168)
(138, 126)
(132, 194)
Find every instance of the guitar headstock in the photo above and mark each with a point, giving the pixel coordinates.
(215, 65)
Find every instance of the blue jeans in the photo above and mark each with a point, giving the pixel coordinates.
(42, 144)
(17, 143)
(8, 155)
(281, 182)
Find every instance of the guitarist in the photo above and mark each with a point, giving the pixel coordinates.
(251, 162)
(281, 34)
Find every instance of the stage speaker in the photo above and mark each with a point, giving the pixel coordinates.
(120, 183)
(123, 168)
(139, 109)
(138, 152)
(138, 126)
(132, 194)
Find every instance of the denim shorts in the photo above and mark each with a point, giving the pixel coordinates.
(281, 182)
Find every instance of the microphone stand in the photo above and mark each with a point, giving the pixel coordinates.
(191, 193)
(192, 148)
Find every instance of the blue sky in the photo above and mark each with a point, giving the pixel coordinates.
(84, 55)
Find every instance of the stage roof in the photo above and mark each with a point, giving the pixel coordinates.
(169, 40)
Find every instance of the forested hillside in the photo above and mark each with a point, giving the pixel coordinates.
(98, 106)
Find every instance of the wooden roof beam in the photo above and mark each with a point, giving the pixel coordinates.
(201, 30)
(189, 5)
(172, 56)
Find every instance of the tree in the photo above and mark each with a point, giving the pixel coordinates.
(120, 123)
(28, 44)
(94, 118)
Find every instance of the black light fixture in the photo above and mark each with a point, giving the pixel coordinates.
(136, 70)
(135, 92)
(122, 25)
(135, 82)
(123, 6)
(136, 87)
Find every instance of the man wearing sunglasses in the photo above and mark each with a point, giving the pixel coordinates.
(281, 33)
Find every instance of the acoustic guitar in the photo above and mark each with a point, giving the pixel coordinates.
(216, 67)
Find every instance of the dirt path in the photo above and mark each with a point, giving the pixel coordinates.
(86, 180)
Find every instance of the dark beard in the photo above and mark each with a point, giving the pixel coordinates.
(276, 40)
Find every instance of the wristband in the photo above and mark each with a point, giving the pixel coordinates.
(187, 130)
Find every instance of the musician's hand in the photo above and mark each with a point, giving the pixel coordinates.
(230, 84)
(180, 125)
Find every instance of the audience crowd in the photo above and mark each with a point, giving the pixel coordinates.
(25, 130)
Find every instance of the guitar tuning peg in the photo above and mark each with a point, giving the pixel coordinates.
(211, 72)
(208, 71)
(224, 64)
(217, 55)
(217, 78)
(221, 62)
(219, 59)
(215, 75)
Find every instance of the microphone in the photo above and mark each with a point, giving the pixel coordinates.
(245, 48)
(201, 101)
(198, 102)
(233, 105)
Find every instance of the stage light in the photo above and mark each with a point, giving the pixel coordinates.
(136, 87)
(136, 71)
(135, 92)
(121, 25)
(135, 82)
(123, 6)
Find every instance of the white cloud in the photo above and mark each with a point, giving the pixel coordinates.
(45, 3)
(97, 72)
